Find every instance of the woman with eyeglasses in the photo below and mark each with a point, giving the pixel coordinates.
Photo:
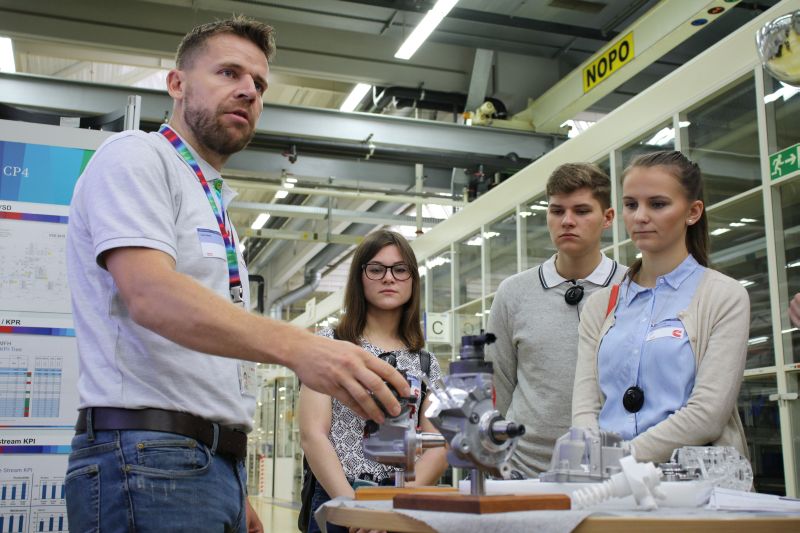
(661, 356)
(382, 302)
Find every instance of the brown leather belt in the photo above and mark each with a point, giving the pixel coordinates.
(229, 441)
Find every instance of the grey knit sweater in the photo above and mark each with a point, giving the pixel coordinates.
(534, 356)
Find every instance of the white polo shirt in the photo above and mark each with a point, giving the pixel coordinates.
(137, 191)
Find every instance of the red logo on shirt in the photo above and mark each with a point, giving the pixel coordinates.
(677, 333)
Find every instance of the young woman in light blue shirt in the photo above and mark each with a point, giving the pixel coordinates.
(660, 360)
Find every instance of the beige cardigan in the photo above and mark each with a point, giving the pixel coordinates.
(717, 322)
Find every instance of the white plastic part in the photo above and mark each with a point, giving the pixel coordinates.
(639, 479)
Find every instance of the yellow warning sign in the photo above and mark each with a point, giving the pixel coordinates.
(608, 63)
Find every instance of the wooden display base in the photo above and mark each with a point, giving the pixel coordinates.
(497, 503)
(387, 493)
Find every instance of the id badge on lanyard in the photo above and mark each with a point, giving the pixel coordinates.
(234, 282)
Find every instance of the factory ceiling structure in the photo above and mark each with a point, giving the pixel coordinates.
(407, 158)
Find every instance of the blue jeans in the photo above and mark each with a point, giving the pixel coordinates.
(320, 497)
(152, 481)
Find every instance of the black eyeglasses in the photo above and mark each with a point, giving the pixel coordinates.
(377, 271)
(574, 294)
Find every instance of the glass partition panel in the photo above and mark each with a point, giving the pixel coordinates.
(783, 108)
(500, 239)
(761, 426)
(443, 353)
(789, 271)
(607, 238)
(438, 271)
(794, 410)
(467, 270)
(628, 253)
(738, 249)
(661, 137)
(468, 321)
(722, 136)
(539, 247)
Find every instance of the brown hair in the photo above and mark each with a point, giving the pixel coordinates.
(570, 177)
(258, 33)
(690, 178)
(354, 319)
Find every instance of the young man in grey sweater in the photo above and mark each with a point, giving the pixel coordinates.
(535, 314)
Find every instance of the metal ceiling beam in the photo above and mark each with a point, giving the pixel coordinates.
(347, 51)
(654, 34)
(340, 193)
(305, 236)
(495, 19)
(321, 213)
(89, 98)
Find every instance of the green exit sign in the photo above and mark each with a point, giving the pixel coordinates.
(784, 162)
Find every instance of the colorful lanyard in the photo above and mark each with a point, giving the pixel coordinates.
(235, 284)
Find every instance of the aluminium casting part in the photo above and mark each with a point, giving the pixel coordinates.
(396, 442)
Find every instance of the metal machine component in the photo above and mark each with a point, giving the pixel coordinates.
(462, 409)
(396, 442)
(583, 456)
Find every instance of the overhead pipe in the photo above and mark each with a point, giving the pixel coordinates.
(313, 270)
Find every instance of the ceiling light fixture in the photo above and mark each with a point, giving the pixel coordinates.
(425, 28)
(283, 193)
(356, 95)
(260, 221)
(7, 56)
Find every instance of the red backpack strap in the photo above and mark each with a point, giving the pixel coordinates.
(612, 298)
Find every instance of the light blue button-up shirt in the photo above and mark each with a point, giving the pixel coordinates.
(648, 346)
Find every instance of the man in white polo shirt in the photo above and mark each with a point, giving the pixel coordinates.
(535, 314)
(159, 288)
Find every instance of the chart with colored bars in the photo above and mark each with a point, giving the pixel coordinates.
(14, 520)
(49, 521)
(27, 506)
(30, 392)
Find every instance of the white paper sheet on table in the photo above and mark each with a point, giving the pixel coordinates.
(737, 500)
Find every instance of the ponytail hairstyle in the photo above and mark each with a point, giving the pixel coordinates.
(354, 320)
(690, 178)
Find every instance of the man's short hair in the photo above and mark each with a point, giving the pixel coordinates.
(570, 177)
(258, 33)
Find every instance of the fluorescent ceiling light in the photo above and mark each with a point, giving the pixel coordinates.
(746, 282)
(662, 137)
(539, 207)
(291, 180)
(748, 220)
(425, 28)
(7, 55)
(720, 231)
(437, 261)
(283, 193)
(356, 95)
(757, 340)
(737, 224)
(260, 221)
